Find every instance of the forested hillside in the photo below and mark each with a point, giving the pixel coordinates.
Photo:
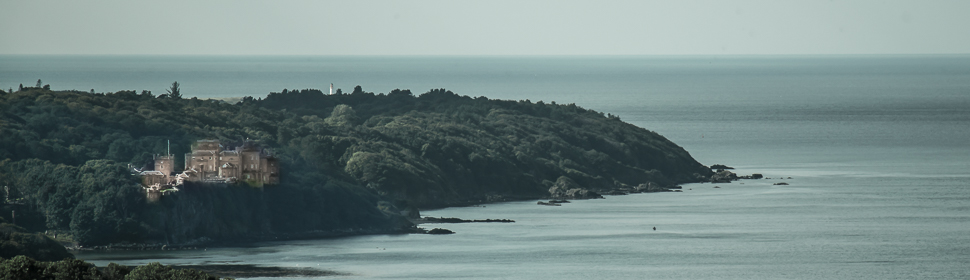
(65, 157)
(355, 162)
(441, 149)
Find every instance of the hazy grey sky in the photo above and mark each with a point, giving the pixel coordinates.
(484, 27)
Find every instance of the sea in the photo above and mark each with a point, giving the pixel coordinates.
(875, 151)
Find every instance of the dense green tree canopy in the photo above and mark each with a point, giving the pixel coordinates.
(440, 149)
(15, 241)
(350, 162)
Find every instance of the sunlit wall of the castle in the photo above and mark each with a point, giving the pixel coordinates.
(165, 164)
(247, 163)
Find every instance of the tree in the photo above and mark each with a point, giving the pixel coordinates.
(71, 269)
(38, 82)
(342, 115)
(115, 272)
(21, 267)
(153, 271)
(173, 92)
(150, 271)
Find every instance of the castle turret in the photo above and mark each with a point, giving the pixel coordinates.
(165, 164)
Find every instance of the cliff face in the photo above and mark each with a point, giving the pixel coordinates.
(201, 213)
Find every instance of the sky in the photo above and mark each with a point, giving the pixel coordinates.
(422, 27)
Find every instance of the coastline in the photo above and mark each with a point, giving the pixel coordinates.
(250, 241)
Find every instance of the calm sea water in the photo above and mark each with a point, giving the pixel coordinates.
(878, 149)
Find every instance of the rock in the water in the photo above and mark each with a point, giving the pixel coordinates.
(440, 231)
(781, 184)
(720, 167)
(724, 177)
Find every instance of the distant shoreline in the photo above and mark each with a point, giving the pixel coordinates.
(230, 100)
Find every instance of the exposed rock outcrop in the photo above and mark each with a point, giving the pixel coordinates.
(440, 231)
(566, 188)
(442, 220)
(651, 187)
(720, 167)
(724, 176)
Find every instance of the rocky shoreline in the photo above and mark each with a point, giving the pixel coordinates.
(203, 243)
(252, 271)
(442, 220)
(562, 189)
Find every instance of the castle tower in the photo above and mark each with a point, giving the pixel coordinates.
(165, 164)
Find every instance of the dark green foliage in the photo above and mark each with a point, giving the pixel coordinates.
(71, 269)
(174, 91)
(16, 241)
(54, 145)
(22, 267)
(97, 202)
(442, 149)
(101, 203)
(349, 161)
(114, 272)
(157, 271)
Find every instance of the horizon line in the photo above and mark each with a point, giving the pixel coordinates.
(494, 55)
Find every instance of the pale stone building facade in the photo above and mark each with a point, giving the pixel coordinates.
(209, 162)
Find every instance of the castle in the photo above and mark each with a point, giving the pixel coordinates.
(210, 163)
